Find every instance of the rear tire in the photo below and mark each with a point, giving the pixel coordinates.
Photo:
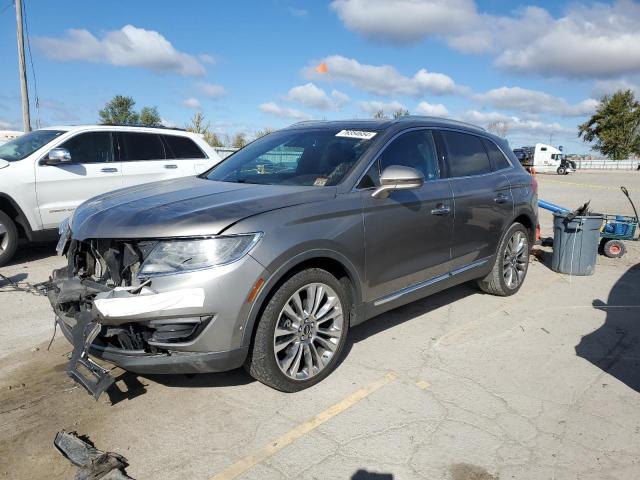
(613, 249)
(308, 342)
(8, 238)
(511, 264)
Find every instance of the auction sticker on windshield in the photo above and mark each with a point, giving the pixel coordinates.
(356, 134)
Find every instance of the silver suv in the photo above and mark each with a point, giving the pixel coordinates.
(269, 258)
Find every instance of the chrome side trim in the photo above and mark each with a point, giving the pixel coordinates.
(412, 288)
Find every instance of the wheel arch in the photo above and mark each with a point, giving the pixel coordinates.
(529, 223)
(328, 260)
(11, 208)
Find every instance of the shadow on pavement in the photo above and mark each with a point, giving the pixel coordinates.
(11, 281)
(615, 346)
(31, 253)
(410, 311)
(365, 475)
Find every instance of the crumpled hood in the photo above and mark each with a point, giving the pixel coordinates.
(183, 207)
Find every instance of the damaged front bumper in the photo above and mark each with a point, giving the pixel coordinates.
(164, 326)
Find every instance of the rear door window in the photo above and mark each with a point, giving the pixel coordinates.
(466, 154)
(140, 146)
(498, 160)
(91, 147)
(179, 147)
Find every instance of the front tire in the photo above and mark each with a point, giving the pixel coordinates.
(511, 264)
(562, 171)
(302, 332)
(8, 238)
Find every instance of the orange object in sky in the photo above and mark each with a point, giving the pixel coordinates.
(322, 68)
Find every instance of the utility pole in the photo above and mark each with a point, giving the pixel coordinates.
(24, 91)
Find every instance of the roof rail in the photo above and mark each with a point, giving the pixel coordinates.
(142, 126)
(438, 119)
(302, 122)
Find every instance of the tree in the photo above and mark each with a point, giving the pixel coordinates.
(149, 117)
(499, 128)
(239, 140)
(380, 114)
(119, 111)
(263, 132)
(615, 127)
(400, 112)
(197, 124)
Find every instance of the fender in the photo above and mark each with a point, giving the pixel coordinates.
(279, 274)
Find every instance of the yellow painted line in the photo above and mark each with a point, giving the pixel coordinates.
(423, 384)
(291, 436)
(585, 185)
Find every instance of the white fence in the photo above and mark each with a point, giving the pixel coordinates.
(224, 152)
(601, 164)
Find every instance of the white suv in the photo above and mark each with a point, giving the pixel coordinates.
(46, 174)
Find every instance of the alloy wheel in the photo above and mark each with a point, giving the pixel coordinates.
(308, 331)
(4, 238)
(516, 257)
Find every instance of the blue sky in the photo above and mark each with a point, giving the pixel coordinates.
(536, 66)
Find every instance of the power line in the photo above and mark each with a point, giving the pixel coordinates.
(33, 70)
(6, 7)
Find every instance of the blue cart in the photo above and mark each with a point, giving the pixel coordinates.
(617, 228)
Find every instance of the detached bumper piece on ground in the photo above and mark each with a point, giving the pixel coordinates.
(93, 464)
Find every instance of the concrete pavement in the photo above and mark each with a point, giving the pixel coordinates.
(460, 385)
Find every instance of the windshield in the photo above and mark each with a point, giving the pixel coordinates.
(25, 145)
(295, 157)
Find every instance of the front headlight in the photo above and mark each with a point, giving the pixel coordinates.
(175, 256)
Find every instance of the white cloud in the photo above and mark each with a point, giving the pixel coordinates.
(592, 40)
(130, 46)
(374, 106)
(192, 102)
(339, 98)
(211, 90)
(514, 123)
(534, 101)
(5, 125)
(596, 40)
(206, 58)
(433, 110)
(312, 96)
(404, 21)
(607, 87)
(383, 80)
(273, 108)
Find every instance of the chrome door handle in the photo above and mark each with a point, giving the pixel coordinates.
(109, 170)
(171, 166)
(441, 210)
(501, 198)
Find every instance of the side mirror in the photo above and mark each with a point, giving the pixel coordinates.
(397, 177)
(56, 156)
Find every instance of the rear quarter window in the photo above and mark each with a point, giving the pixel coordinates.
(466, 154)
(498, 160)
(181, 147)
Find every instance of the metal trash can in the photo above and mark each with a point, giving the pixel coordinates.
(575, 244)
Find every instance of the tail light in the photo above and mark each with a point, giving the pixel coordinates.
(534, 184)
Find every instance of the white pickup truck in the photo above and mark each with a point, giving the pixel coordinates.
(46, 174)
